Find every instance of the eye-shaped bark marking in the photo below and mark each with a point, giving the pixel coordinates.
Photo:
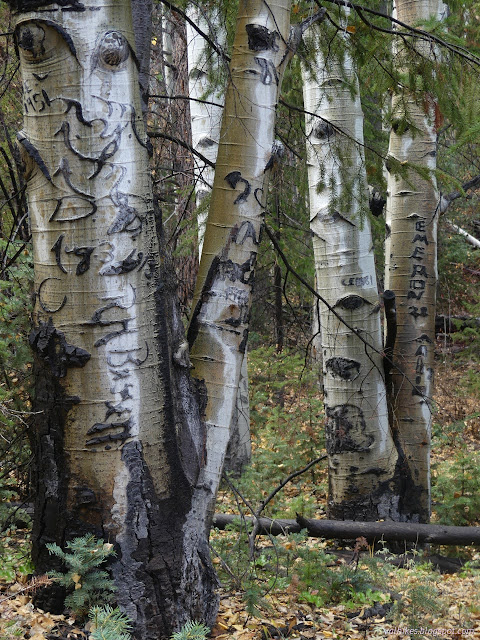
(233, 178)
(323, 131)
(260, 38)
(345, 430)
(84, 253)
(51, 346)
(205, 142)
(31, 38)
(350, 303)
(343, 368)
(268, 71)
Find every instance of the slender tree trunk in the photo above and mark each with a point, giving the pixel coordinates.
(362, 454)
(206, 107)
(117, 453)
(206, 120)
(219, 326)
(411, 273)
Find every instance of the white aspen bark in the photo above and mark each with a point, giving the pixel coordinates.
(167, 52)
(206, 118)
(362, 454)
(239, 450)
(468, 237)
(109, 460)
(219, 327)
(206, 122)
(411, 273)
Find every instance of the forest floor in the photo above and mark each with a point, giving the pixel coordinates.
(298, 587)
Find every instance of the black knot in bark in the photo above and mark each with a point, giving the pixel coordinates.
(323, 131)
(260, 38)
(343, 368)
(51, 346)
(31, 39)
(346, 430)
(114, 50)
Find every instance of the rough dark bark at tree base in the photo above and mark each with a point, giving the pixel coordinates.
(372, 531)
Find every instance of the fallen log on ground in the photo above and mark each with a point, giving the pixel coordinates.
(372, 531)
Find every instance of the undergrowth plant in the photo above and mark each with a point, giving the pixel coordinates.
(286, 415)
(456, 489)
(85, 582)
(192, 631)
(109, 623)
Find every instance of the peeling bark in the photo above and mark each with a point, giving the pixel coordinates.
(362, 456)
(118, 441)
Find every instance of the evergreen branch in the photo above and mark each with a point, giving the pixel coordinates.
(331, 309)
(185, 145)
(335, 128)
(446, 201)
(410, 31)
(207, 38)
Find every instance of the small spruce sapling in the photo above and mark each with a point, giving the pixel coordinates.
(108, 623)
(85, 583)
(192, 631)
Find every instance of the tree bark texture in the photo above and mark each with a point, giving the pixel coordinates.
(116, 456)
(411, 273)
(206, 119)
(348, 530)
(142, 27)
(362, 454)
(218, 329)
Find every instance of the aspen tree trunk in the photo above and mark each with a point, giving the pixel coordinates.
(206, 121)
(411, 273)
(362, 454)
(218, 329)
(114, 454)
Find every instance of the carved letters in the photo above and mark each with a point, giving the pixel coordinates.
(93, 221)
